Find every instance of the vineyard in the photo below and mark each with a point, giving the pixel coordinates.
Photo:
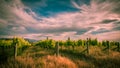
(49, 43)
(87, 53)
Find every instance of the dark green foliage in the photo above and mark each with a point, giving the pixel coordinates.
(79, 42)
(48, 43)
(104, 43)
(6, 43)
(93, 42)
(13, 47)
(68, 42)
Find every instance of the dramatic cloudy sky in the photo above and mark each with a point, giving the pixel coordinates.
(59, 19)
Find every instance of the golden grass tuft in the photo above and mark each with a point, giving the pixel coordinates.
(18, 62)
(57, 62)
(42, 62)
(26, 61)
(84, 64)
(96, 51)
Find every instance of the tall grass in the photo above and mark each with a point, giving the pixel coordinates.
(36, 57)
(43, 62)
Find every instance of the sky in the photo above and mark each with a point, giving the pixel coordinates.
(60, 19)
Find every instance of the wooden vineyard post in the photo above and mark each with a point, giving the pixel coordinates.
(87, 46)
(15, 50)
(15, 42)
(108, 46)
(118, 46)
(57, 49)
(3, 53)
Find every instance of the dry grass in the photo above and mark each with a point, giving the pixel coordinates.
(96, 51)
(57, 62)
(105, 59)
(36, 57)
(19, 62)
(43, 62)
(97, 58)
(83, 64)
(26, 61)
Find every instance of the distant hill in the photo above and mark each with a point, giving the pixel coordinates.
(30, 40)
(6, 38)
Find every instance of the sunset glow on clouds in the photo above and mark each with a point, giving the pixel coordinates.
(60, 19)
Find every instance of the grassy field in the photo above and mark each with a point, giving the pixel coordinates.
(37, 57)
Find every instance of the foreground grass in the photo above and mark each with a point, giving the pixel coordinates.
(37, 57)
(95, 59)
(44, 62)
